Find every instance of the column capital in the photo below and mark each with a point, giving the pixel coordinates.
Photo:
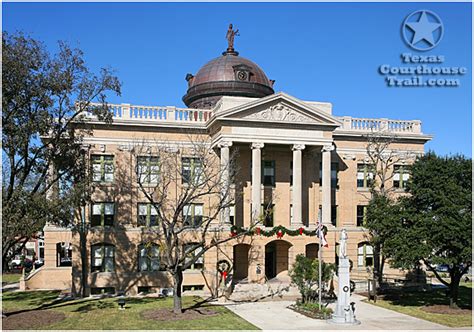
(298, 147)
(224, 144)
(327, 148)
(257, 145)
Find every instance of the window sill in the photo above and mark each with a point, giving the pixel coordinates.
(363, 189)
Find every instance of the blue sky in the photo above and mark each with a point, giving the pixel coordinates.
(315, 51)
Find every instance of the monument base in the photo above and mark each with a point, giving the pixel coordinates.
(343, 320)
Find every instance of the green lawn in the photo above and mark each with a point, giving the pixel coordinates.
(97, 314)
(411, 303)
(10, 278)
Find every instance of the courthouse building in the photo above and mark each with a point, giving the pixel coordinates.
(295, 155)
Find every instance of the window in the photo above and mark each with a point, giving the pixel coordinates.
(268, 177)
(102, 290)
(401, 174)
(199, 263)
(291, 213)
(147, 215)
(267, 212)
(232, 214)
(103, 257)
(191, 170)
(102, 168)
(333, 214)
(148, 257)
(63, 254)
(102, 214)
(148, 169)
(192, 214)
(334, 175)
(291, 173)
(361, 215)
(365, 175)
(365, 255)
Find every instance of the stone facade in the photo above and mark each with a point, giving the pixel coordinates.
(305, 146)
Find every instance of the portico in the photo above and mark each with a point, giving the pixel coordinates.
(284, 122)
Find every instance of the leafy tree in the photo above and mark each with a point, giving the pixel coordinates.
(41, 150)
(435, 220)
(305, 275)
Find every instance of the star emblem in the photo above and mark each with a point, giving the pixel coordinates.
(423, 30)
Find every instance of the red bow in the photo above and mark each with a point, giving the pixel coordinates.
(301, 230)
(279, 234)
(258, 230)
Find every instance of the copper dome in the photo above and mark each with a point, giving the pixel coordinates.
(227, 75)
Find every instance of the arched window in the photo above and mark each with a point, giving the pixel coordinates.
(365, 255)
(148, 257)
(103, 257)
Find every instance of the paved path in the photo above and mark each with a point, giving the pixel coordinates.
(276, 316)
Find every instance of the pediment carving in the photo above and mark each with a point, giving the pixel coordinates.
(280, 112)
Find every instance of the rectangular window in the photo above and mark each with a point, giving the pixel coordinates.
(102, 168)
(147, 215)
(149, 258)
(365, 175)
(267, 213)
(401, 174)
(334, 175)
(103, 258)
(191, 171)
(199, 263)
(268, 176)
(192, 214)
(232, 214)
(102, 214)
(291, 173)
(148, 169)
(361, 215)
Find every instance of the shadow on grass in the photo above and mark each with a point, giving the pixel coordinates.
(414, 298)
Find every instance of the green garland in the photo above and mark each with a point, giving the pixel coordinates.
(279, 231)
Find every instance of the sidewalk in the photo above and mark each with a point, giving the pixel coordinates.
(276, 316)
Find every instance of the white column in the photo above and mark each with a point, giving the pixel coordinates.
(297, 189)
(256, 179)
(326, 183)
(225, 174)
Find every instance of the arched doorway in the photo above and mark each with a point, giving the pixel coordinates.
(276, 258)
(241, 261)
(312, 250)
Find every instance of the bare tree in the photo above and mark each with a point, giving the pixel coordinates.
(178, 176)
(382, 158)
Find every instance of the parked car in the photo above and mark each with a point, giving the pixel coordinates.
(442, 268)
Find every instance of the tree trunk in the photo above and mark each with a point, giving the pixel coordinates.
(178, 282)
(454, 290)
(82, 236)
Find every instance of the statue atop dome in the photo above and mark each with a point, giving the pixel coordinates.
(231, 33)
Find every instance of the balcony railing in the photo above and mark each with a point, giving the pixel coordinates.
(171, 114)
(367, 125)
(157, 113)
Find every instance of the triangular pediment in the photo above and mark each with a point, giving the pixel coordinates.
(279, 108)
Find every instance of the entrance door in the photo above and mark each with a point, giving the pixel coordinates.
(270, 261)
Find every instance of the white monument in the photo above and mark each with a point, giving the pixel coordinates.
(344, 313)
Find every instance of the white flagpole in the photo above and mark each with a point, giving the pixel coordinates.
(319, 258)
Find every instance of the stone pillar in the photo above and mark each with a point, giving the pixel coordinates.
(225, 174)
(297, 189)
(326, 184)
(256, 179)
